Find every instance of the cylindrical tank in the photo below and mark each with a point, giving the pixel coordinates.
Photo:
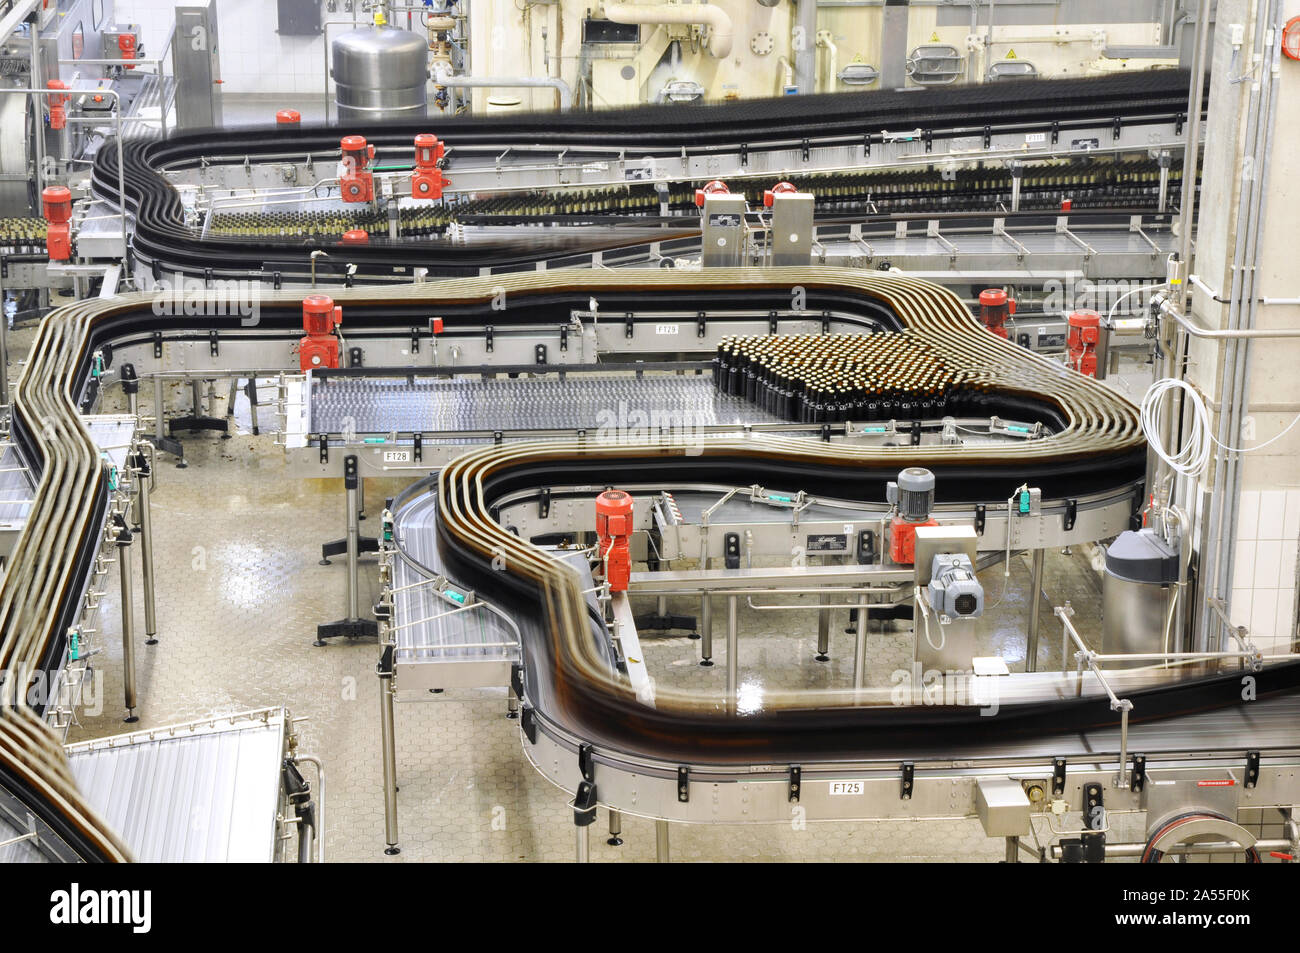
(1141, 569)
(379, 74)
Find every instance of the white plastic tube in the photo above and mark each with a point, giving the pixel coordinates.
(714, 17)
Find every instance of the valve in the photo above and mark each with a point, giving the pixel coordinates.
(56, 201)
(58, 104)
(288, 117)
(781, 188)
(356, 181)
(319, 347)
(428, 181)
(716, 187)
(614, 530)
(995, 308)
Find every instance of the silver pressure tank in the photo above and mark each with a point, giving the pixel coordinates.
(379, 74)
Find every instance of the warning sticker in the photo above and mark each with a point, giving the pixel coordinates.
(1011, 54)
(934, 37)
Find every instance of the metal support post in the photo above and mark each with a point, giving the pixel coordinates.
(662, 855)
(1035, 596)
(144, 474)
(706, 630)
(615, 829)
(733, 665)
(860, 643)
(128, 619)
(353, 626)
(388, 742)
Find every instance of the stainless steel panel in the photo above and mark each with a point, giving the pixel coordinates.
(196, 63)
(205, 791)
(379, 74)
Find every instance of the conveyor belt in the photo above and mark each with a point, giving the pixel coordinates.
(163, 239)
(1096, 444)
(580, 401)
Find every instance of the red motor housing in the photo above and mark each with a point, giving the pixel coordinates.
(428, 181)
(319, 347)
(58, 103)
(1082, 340)
(781, 188)
(288, 117)
(56, 201)
(716, 187)
(126, 46)
(902, 539)
(357, 183)
(614, 528)
(995, 308)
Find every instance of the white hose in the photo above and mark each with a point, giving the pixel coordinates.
(1195, 455)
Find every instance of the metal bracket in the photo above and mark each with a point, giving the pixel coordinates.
(1058, 777)
(1138, 780)
(866, 547)
(771, 322)
(1071, 514)
(517, 680)
(796, 780)
(564, 337)
(744, 153)
(1116, 127)
(988, 136)
(1056, 133)
(528, 722)
(1252, 769)
(683, 783)
(489, 337)
(629, 324)
(731, 550)
(701, 324)
(354, 357)
(417, 444)
(415, 340)
(826, 433)
(585, 766)
(907, 782)
(324, 448)
(539, 354)
(981, 517)
(497, 437)
(214, 342)
(916, 433)
(1094, 800)
(1178, 123)
(805, 150)
(928, 138)
(544, 503)
(826, 322)
(157, 344)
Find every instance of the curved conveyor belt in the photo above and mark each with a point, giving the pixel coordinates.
(164, 240)
(1097, 444)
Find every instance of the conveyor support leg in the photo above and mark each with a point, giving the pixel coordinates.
(389, 743)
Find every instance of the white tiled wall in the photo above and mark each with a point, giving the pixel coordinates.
(254, 58)
(1264, 572)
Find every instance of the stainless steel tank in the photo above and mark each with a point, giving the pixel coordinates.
(379, 74)
(1137, 595)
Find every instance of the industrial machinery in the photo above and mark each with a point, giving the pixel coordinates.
(683, 369)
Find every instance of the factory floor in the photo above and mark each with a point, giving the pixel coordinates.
(240, 591)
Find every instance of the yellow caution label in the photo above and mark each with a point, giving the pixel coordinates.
(934, 37)
(1011, 54)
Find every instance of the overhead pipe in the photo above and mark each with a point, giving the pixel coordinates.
(706, 14)
(508, 82)
(805, 50)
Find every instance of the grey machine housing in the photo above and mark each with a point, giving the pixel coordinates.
(954, 591)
